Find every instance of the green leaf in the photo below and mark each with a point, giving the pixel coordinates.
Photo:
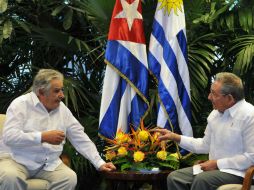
(70, 39)
(57, 10)
(67, 22)
(126, 166)
(121, 160)
(1, 39)
(77, 41)
(24, 26)
(173, 165)
(7, 29)
(3, 5)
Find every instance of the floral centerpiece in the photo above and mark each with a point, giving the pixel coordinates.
(140, 150)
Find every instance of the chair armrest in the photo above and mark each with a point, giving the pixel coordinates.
(247, 182)
(66, 160)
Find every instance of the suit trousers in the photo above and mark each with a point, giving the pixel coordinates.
(183, 179)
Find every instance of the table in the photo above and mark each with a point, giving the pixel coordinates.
(157, 180)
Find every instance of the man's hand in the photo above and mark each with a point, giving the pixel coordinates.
(107, 167)
(209, 165)
(54, 137)
(167, 135)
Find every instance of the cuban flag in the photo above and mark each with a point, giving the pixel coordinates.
(125, 88)
(167, 59)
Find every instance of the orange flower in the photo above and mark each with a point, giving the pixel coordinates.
(122, 151)
(110, 155)
(162, 155)
(138, 156)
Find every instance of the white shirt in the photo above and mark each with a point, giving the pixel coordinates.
(27, 118)
(229, 138)
(4, 150)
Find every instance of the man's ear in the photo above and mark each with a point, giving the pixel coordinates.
(41, 92)
(231, 99)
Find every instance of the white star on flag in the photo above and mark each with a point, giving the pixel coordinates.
(129, 12)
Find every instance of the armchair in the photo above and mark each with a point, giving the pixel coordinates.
(35, 184)
(246, 182)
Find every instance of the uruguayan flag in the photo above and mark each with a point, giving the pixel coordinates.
(168, 62)
(124, 95)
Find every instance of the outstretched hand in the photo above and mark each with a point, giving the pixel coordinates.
(165, 134)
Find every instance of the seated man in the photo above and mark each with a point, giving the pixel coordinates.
(228, 139)
(35, 130)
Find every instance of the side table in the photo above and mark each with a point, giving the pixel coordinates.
(155, 179)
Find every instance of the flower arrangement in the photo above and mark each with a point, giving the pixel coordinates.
(140, 150)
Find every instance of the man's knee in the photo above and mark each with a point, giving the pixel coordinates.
(171, 176)
(72, 178)
(65, 180)
(10, 175)
(9, 179)
(172, 179)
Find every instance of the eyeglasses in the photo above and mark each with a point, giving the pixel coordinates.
(212, 93)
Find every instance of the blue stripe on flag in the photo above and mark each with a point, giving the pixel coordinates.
(154, 65)
(171, 61)
(108, 125)
(137, 110)
(170, 106)
(183, 44)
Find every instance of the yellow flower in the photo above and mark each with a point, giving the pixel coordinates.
(143, 135)
(110, 155)
(162, 155)
(122, 151)
(176, 155)
(156, 136)
(138, 156)
(121, 137)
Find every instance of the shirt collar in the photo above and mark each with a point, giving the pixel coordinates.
(35, 99)
(232, 111)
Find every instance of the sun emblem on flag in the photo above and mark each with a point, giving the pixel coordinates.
(167, 5)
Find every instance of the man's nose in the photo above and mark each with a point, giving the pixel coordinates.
(61, 95)
(209, 96)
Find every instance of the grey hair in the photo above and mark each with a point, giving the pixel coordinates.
(43, 78)
(231, 84)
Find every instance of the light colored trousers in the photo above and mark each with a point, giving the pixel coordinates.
(13, 176)
(184, 179)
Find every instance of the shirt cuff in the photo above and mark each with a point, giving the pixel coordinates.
(37, 137)
(222, 163)
(99, 164)
(184, 141)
